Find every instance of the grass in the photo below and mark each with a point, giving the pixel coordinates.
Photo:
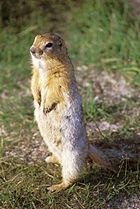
(93, 110)
(105, 36)
(24, 186)
(98, 34)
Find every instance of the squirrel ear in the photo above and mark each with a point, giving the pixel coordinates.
(60, 44)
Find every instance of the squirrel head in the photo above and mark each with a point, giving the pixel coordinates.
(48, 48)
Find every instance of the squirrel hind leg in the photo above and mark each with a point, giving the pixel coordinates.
(71, 170)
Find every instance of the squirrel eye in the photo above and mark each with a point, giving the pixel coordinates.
(48, 45)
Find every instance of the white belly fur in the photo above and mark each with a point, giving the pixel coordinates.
(71, 128)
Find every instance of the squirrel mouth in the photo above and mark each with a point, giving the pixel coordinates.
(37, 62)
(37, 56)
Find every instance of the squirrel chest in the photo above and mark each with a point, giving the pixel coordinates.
(63, 126)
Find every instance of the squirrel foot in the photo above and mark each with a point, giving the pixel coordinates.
(58, 187)
(52, 159)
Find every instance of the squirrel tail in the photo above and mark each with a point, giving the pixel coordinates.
(98, 157)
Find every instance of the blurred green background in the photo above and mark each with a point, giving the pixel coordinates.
(100, 32)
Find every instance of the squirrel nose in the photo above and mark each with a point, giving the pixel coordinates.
(34, 50)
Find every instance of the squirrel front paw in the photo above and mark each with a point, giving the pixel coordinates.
(37, 98)
(39, 101)
(49, 108)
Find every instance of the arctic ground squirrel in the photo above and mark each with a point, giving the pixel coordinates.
(58, 110)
